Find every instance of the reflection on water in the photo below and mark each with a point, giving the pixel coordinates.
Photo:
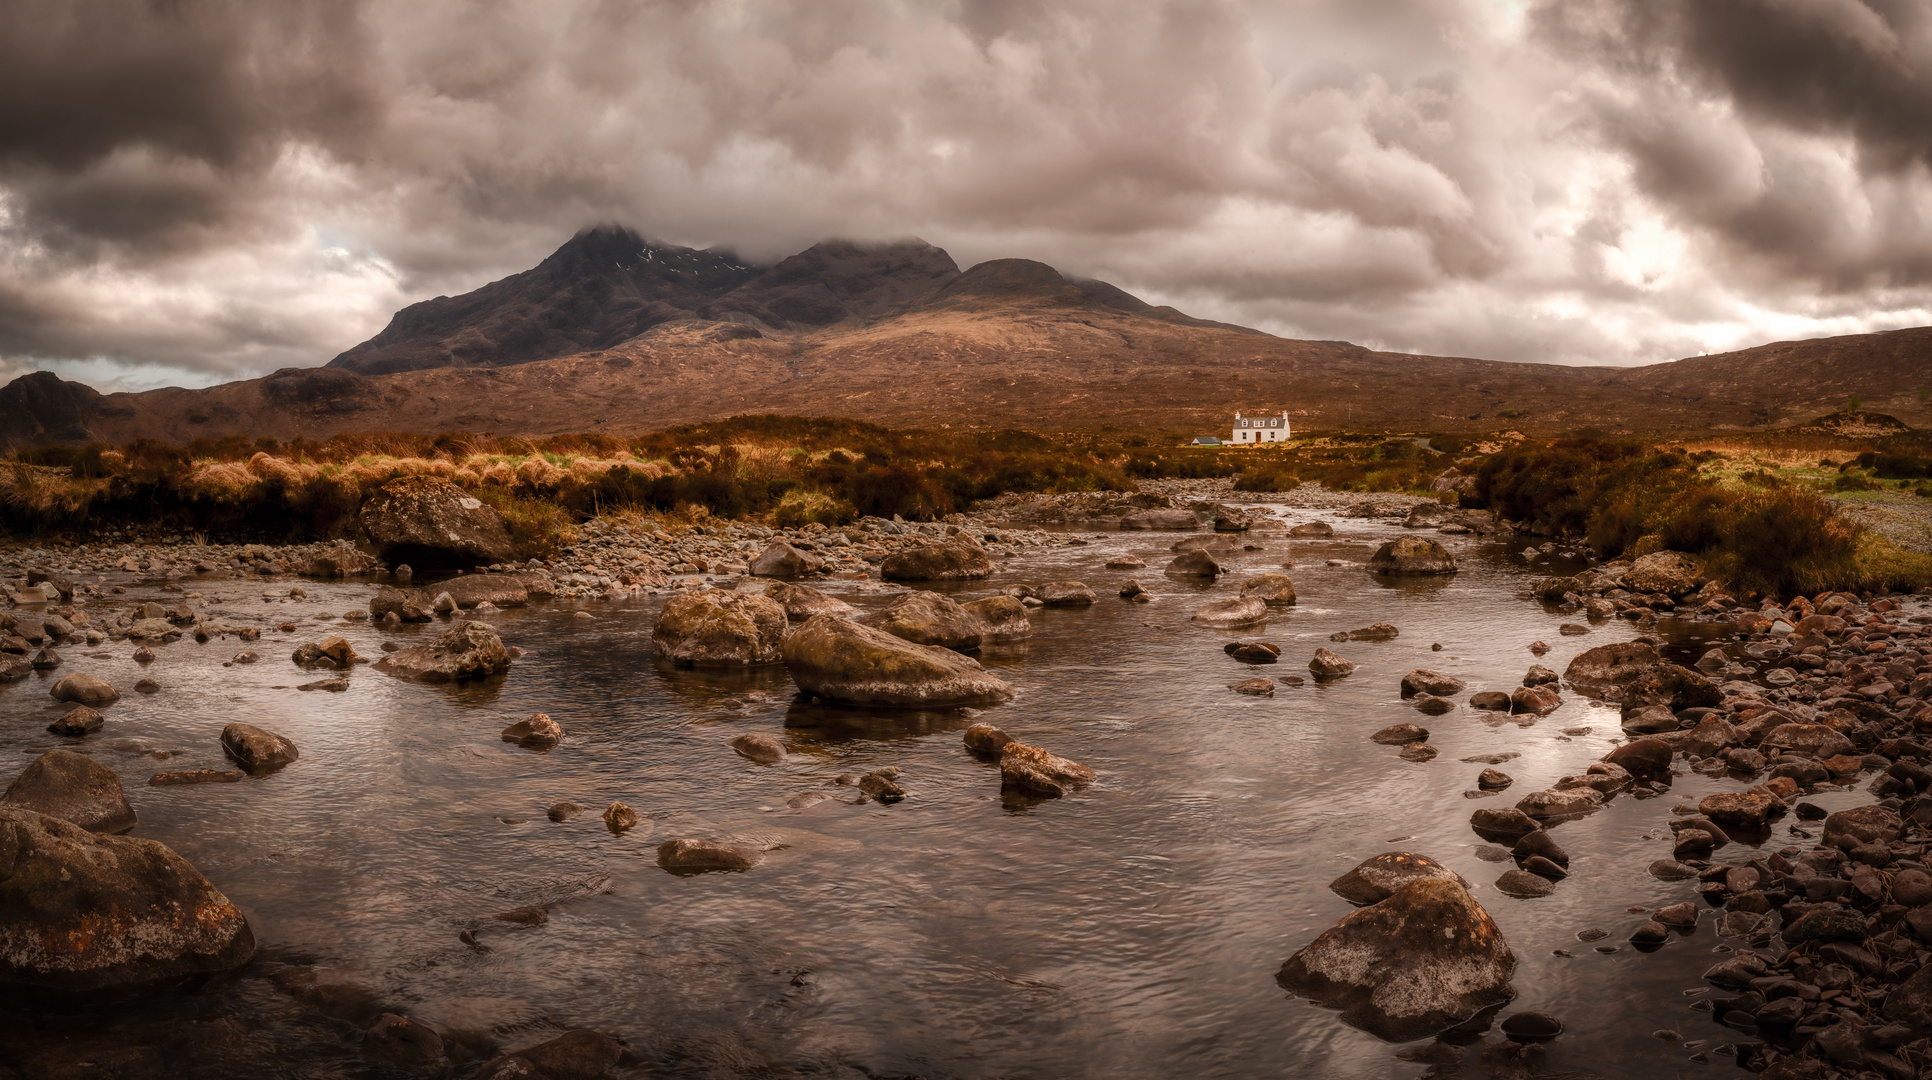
(1130, 930)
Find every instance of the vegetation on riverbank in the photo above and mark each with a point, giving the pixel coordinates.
(1757, 530)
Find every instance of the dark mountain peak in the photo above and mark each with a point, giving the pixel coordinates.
(40, 407)
(836, 280)
(1008, 280)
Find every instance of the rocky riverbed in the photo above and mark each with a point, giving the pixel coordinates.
(615, 843)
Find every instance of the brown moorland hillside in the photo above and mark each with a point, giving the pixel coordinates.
(893, 334)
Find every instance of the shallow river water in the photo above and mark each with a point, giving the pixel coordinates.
(1132, 930)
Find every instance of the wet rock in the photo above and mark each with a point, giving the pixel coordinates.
(1419, 962)
(427, 521)
(801, 602)
(1534, 700)
(781, 560)
(80, 720)
(1712, 736)
(1523, 885)
(1378, 632)
(959, 559)
(1672, 870)
(1126, 562)
(147, 686)
(1532, 1027)
(74, 788)
(1847, 829)
(1826, 924)
(535, 732)
(1398, 734)
(576, 1055)
(1672, 686)
(1411, 556)
(1612, 664)
(715, 628)
(1693, 844)
(703, 856)
(245, 657)
(1539, 845)
(84, 690)
(1131, 590)
(1418, 752)
(46, 660)
(1232, 613)
(1196, 563)
(561, 812)
(842, 661)
(1816, 740)
(1651, 932)
(760, 747)
(1645, 758)
(1254, 687)
(1557, 804)
(619, 818)
(1375, 880)
(258, 751)
(336, 651)
(334, 686)
(188, 777)
(1253, 652)
(1312, 530)
(1035, 771)
(467, 650)
(1429, 705)
(1274, 590)
(1327, 665)
(1002, 620)
(1424, 681)
(986, 739)
(1741, 810)
(1679, 916)
(882, 785)
(1492, 780)
(1504, 826)
(85, 912)
(1538, 675)
(1066, 594)
(397, 1042)
(1490, 701)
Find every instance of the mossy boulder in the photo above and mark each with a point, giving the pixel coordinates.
(1411, 556)
(927, 618)
(842, 661)
(426, 521)
(718, 629)
(958, 559)
(468, 650)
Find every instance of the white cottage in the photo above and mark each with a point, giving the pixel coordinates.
(1249, 431)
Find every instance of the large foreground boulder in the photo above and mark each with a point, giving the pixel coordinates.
(428, 522)
(842, 661)
(1424, 960)
(468, 650)
(74, 788)
(958, 559)
(927, 618)
(715, 628)
(1411, 556)
(81, 912)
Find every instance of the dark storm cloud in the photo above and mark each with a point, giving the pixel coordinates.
(198, 190)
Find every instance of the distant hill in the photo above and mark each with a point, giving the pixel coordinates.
(617, 333)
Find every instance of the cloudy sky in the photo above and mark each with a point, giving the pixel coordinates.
(192, 191)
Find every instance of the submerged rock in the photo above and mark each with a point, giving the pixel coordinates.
(1424, 960)
(535, 732)
(1038, 772)
(703, 856)
(841, 661)
(74, 788)
(715, 628)
(469, 650)
(760, 747)
(1254, 687)
(82, 913)
(577, 1055)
